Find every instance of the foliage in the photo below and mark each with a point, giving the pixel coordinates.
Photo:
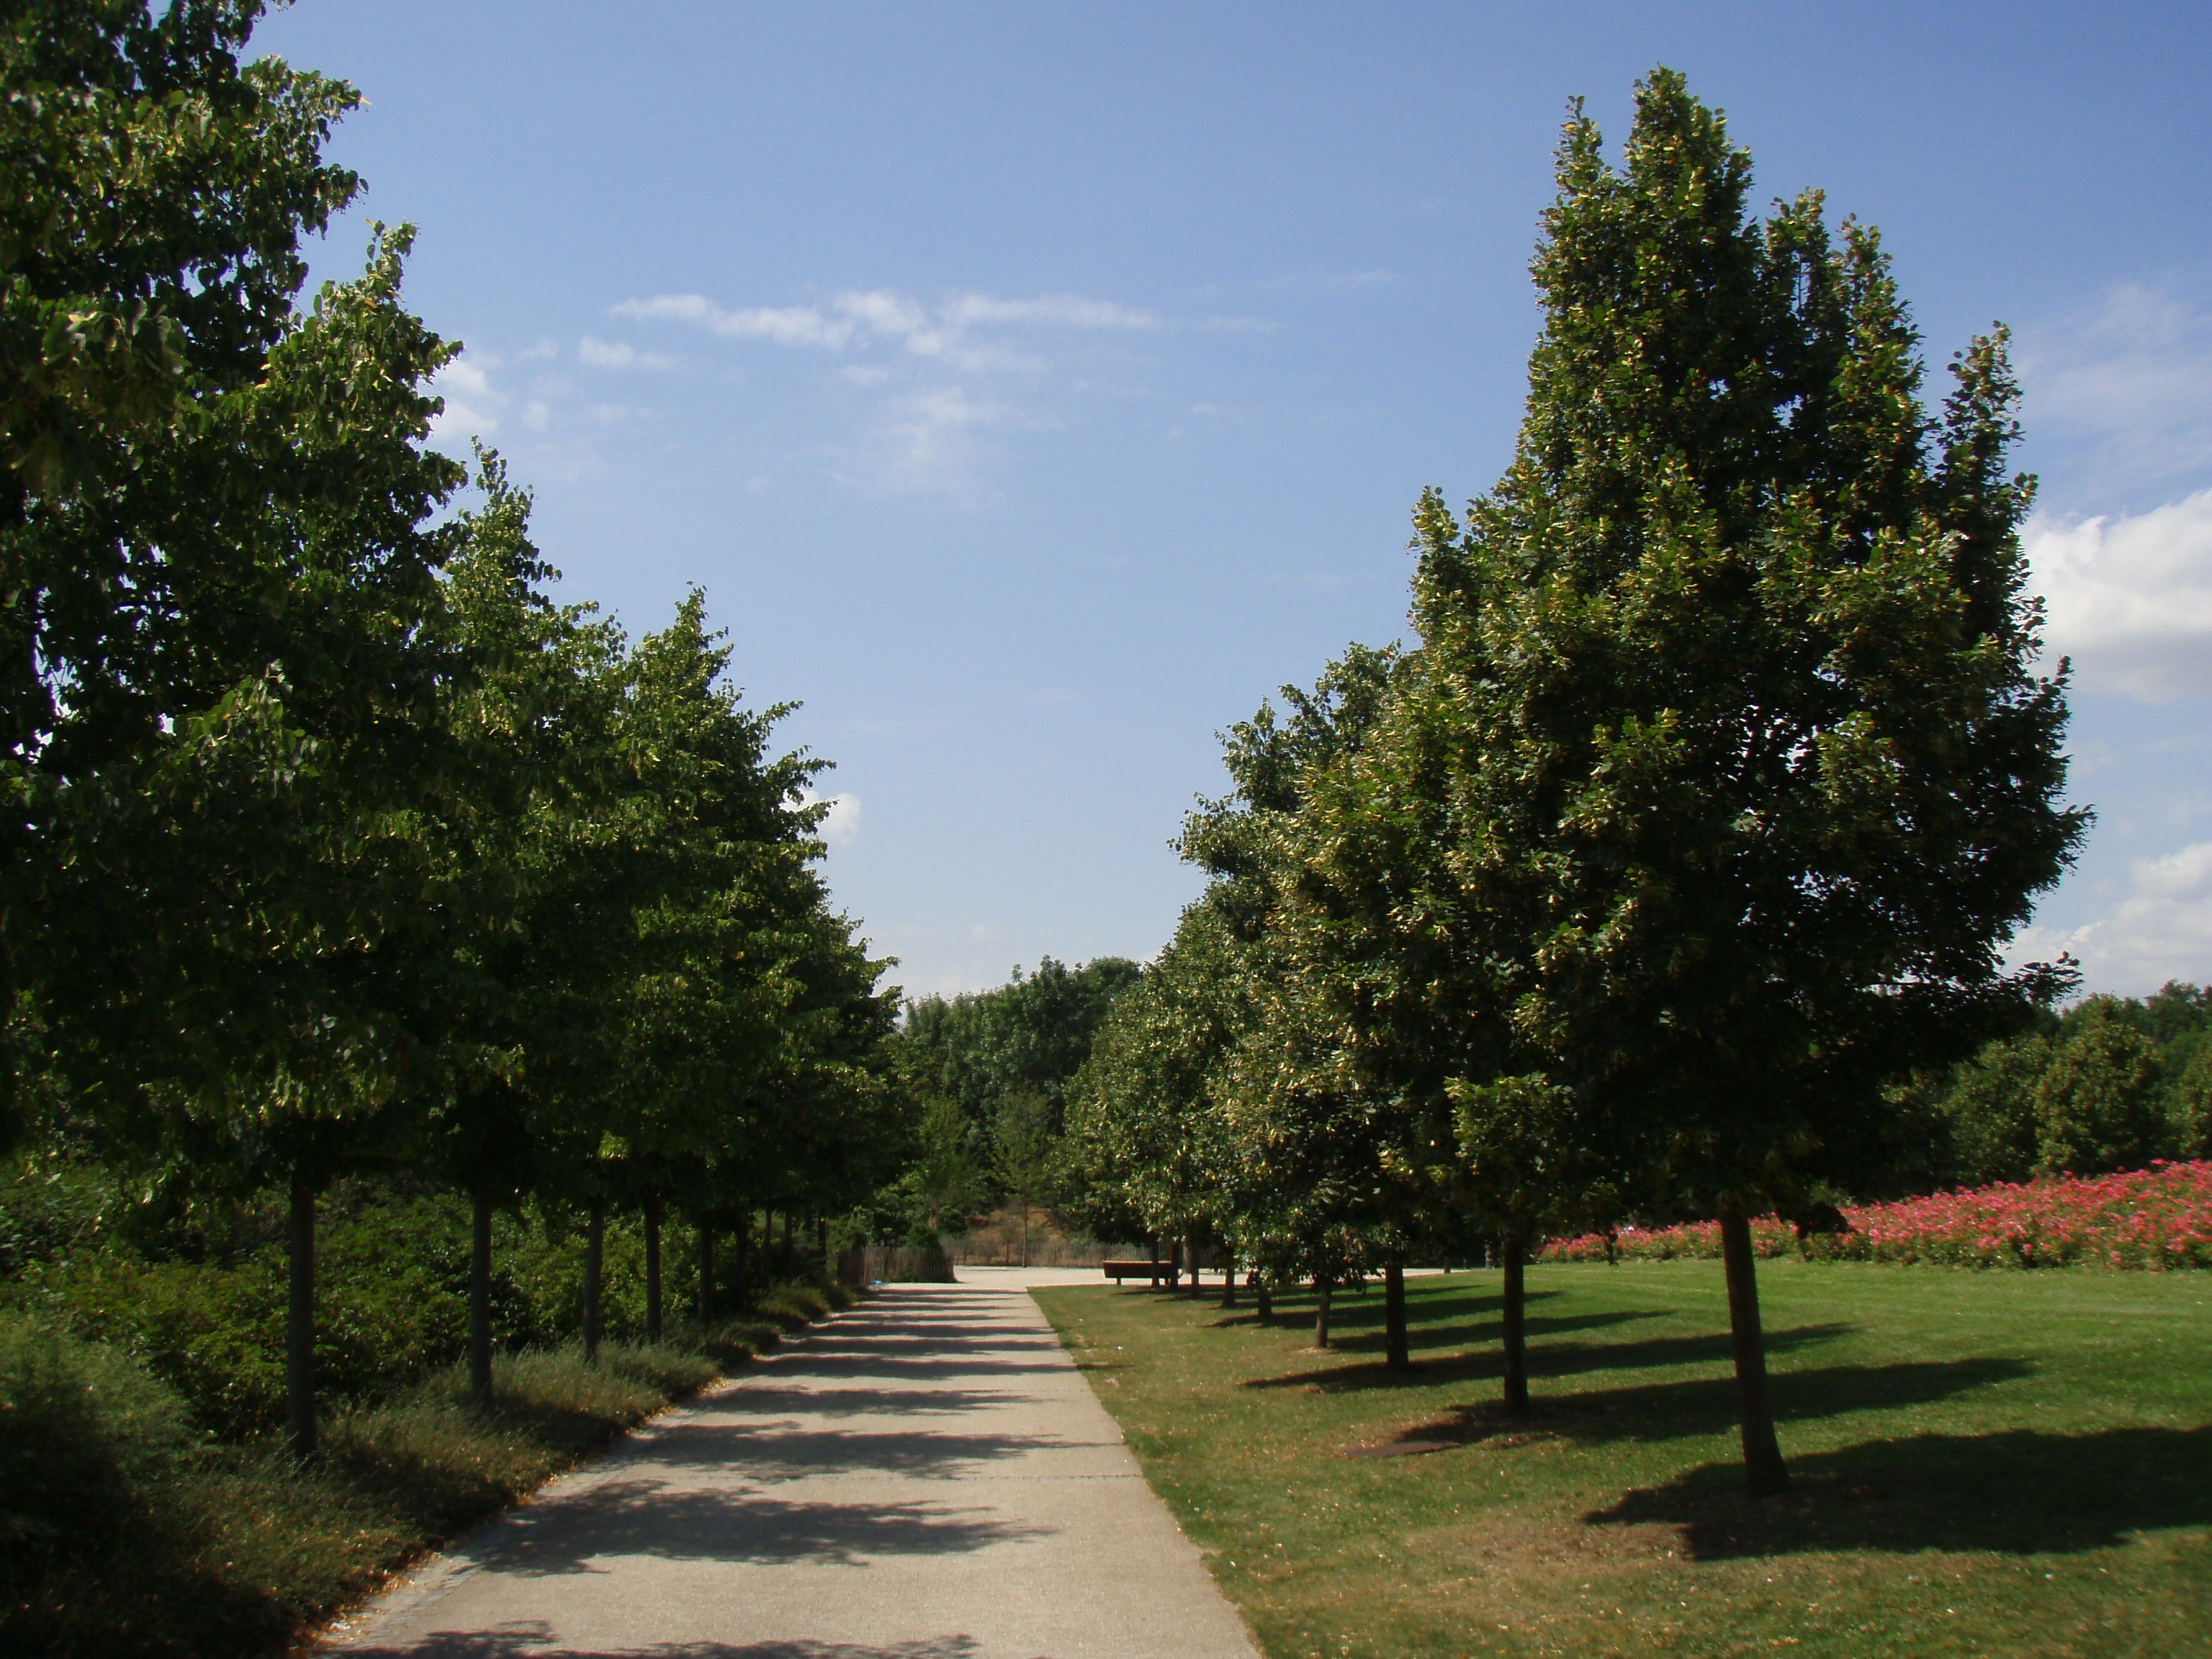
(2158, 1218)
(123, 1533)
(1033, 1032)
(1750, 775)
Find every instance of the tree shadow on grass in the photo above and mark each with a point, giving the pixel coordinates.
(1707, 1406)
(1373, 1374)
(2016, 1493)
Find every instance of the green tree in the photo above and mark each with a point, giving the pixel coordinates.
(1026, 1152)
(2095, 1106)
(154, 197)
(1750, 751)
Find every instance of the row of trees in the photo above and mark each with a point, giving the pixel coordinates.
(1693, 823)
(334, 841)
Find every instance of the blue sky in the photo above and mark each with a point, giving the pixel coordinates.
(1034, 388)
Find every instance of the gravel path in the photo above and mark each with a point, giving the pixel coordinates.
(927, 1477)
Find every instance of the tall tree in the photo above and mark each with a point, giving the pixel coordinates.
(1739, 656)
(154, 196)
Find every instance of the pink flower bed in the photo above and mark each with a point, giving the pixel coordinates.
(2158, 1217)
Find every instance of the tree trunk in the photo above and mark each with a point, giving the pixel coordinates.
(1513, 1254)
(1263, 1298)
(1322, 1289)
(480, 1300)
(1396, 1350)
(300, 1320)
(1153, 1240)
(786, 1244)
(1174, 1266)
(1229, 1283)
(741, 1256)
(652, 1268)
(595, 1257)
(1191, 1249)
(706, 1309)
(1762, 1452)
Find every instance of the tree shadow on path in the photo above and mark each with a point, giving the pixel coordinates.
(534, 1639)
(644, 1518)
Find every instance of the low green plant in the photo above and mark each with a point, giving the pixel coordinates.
(794, 1305)
(123, 1531)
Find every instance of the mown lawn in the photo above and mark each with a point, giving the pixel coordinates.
(2000, 1463)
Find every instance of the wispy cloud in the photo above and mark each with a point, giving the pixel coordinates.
(790, 325)
(951, 329)
(2130, 378)
(595, 353)
(944, 375)
(2160, 928)
(2130, 597)
(473, 404)
(933, 442)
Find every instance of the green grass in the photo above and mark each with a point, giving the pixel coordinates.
(1984, 1464)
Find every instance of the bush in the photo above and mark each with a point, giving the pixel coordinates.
(792, 1305)
(85, 1440)
(122, 1532)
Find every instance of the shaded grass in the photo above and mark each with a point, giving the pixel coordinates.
(1984, 1464)
(124, 1531)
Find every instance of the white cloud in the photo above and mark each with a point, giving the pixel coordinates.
(473, 404)
(947, 332)
(2160, 929)
(930, 443)
(789, 325)
(882, 312)
(2133, 377)
(841, 824)
(2130, 597)
(594, 353)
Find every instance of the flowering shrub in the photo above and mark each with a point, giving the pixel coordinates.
(2158, 1218)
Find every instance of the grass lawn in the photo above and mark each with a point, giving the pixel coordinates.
(1999, 1464)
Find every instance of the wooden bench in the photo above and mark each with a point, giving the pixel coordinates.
(1118, 1271)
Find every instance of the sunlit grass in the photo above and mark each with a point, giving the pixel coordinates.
(1998, 1464)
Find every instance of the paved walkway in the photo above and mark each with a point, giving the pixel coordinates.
(927, 1477)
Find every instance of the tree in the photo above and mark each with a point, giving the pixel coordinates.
(1033, 1032)
(1748, 747)
(1026, 1146)
(154, 198)
(2095, 1107)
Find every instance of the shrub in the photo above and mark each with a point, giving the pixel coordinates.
(794, 1305)
(86, 1437)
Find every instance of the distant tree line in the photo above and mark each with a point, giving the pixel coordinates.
(1689, 829)
(987, 1074)
(2113, 1083)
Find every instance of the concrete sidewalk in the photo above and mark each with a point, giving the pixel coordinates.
(927, 1477)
